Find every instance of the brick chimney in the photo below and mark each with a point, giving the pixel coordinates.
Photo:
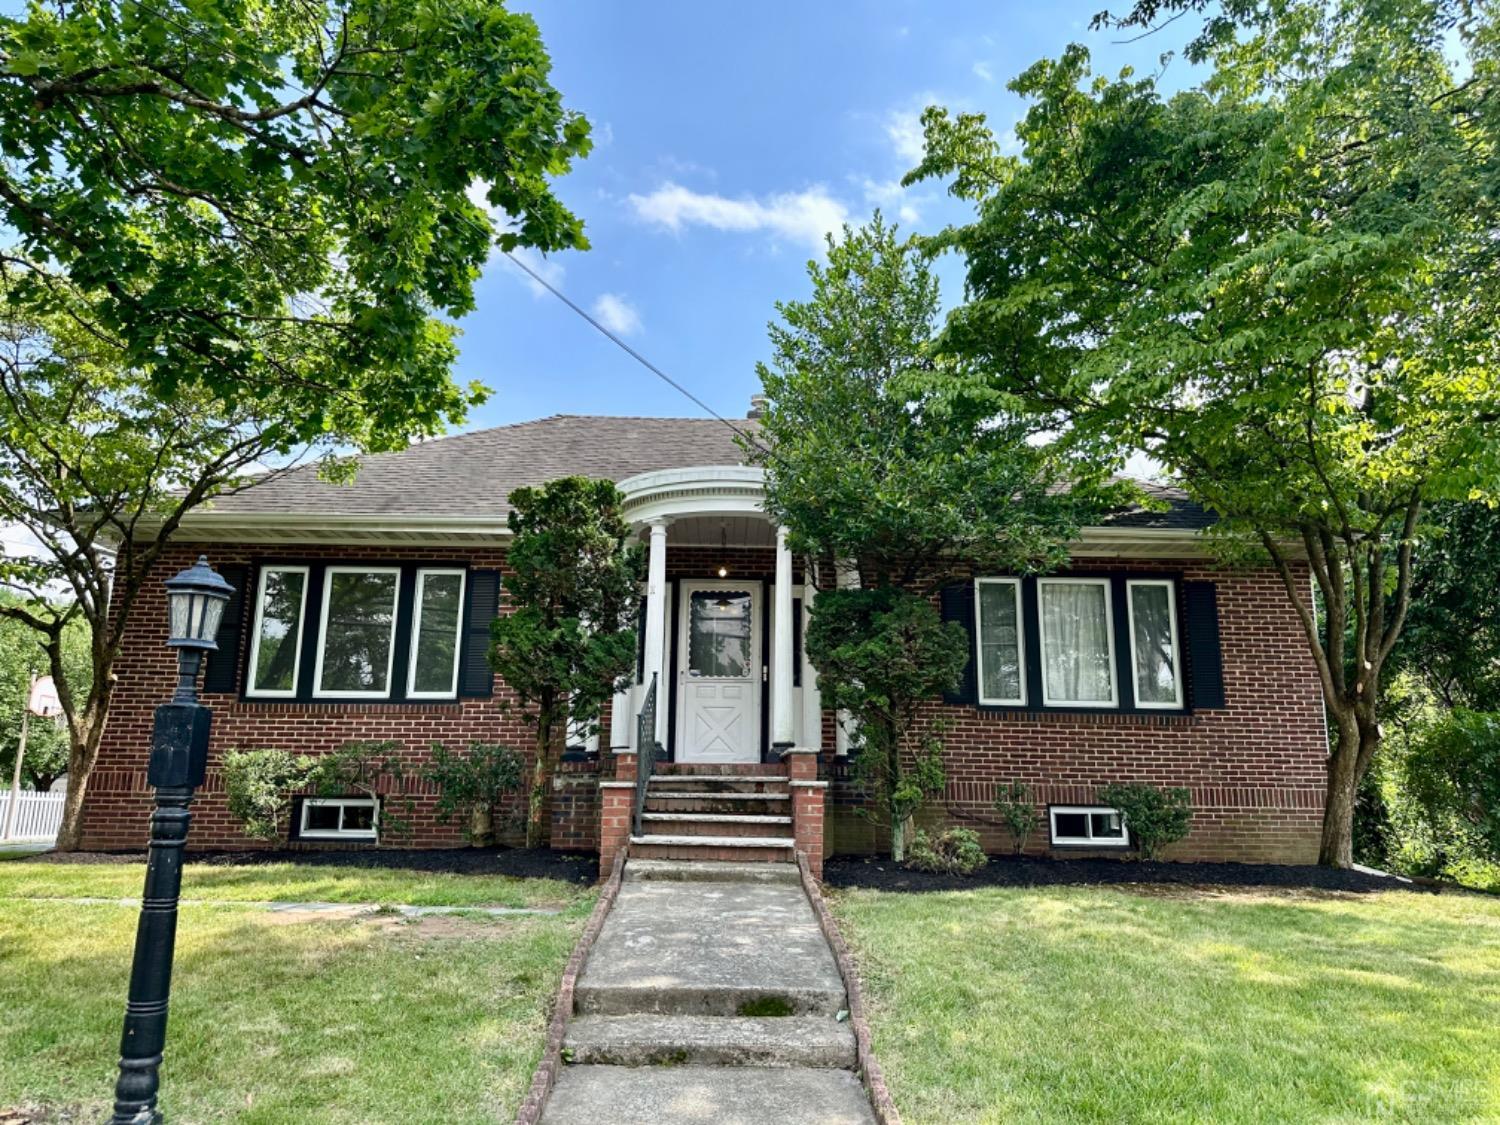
(757, 406)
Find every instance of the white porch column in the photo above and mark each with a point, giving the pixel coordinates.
(783, 728)
(846, 576)
(620, 718)
(656, 622)
(812, 702)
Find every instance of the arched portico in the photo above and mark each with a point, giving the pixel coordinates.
(719, 638)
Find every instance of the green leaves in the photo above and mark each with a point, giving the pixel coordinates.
(269, 202)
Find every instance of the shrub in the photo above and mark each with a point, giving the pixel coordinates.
(1453, 775)
(473, 785)
(360, 767)
(259, 785)
(1017, 808)
(955, 852)
(1155, 817)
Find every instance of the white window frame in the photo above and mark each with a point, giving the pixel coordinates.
(251, 691)
(1176, 702)
(340, 833)
(1015, 585)
(390, 652)
(1109, 629)
(1089, 841)
(416, 633)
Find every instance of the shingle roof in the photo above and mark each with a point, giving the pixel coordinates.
(472, 474)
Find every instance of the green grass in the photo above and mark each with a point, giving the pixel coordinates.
(279, 1019)
(288, 882)
(1106, 1005)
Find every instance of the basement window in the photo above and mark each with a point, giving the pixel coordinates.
(339, 818)
(1088, 826)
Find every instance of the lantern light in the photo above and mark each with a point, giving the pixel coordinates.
(195, 605)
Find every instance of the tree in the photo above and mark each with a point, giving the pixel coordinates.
(239, 232)
(21, 658)
(1452, 636)
(570, 635)
(1454, 777)
(1281, 284)
(877, 455)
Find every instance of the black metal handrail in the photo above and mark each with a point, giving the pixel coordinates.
(646, 752)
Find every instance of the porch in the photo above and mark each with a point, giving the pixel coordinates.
(715, 744)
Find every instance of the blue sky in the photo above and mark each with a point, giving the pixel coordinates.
(725, 147)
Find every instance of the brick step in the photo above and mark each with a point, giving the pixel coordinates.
(653, 1040)
(749, 804)
(713, 824)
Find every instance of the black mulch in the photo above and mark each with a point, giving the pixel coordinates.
(879, 873)
(522, 863)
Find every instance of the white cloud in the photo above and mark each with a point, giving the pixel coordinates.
(617, 314)
(904, 128)
(982, 70)
(802, 216)
(891, 197)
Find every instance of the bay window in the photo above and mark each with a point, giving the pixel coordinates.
(1153, 643)
(1002, 665)
(1078, 642)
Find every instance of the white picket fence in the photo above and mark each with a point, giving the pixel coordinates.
(38, 816)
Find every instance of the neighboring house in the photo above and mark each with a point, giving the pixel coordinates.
(363, 612)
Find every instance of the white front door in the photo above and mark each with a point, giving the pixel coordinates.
(719, 675)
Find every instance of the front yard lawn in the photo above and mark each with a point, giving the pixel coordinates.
(1157, 1004)
(284, 1018)
(289, 882)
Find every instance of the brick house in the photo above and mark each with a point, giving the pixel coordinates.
(362, 612)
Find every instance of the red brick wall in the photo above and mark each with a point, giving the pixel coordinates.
(117, 805)
(1255, 769)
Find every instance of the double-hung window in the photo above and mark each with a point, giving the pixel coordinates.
(276, 644)
(1002, 654)
(439, 600)
(1154, 649)
(1078, 642)
(357, 635)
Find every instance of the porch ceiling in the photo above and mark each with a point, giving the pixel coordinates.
(713, 531)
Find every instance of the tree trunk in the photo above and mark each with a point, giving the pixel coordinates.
(1337, 846)
(537, 828)
(83, 751)
(482, 826)
(898, 839)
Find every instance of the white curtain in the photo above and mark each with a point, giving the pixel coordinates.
(1075, 642)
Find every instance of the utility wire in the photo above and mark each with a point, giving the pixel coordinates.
(637, 356)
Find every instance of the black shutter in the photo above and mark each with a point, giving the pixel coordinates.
(957, 604)
(475, 677)
(223, 663)
(1205, 659)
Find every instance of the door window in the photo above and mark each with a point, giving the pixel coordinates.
(719, 634)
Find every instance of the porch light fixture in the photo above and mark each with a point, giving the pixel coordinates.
(723, 550)
(179, 754)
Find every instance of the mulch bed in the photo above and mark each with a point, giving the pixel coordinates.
(880, 874)
(521, 863)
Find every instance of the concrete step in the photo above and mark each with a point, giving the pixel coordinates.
(679, 1095)
(738, 849)
(715, 824)
(708, 871)
(710, 949)
(710, 1041)
(718, 779)
(716, 841)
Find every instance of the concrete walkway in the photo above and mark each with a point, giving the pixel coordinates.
(710, 996)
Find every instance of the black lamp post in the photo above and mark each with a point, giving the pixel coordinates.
(179, 752)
